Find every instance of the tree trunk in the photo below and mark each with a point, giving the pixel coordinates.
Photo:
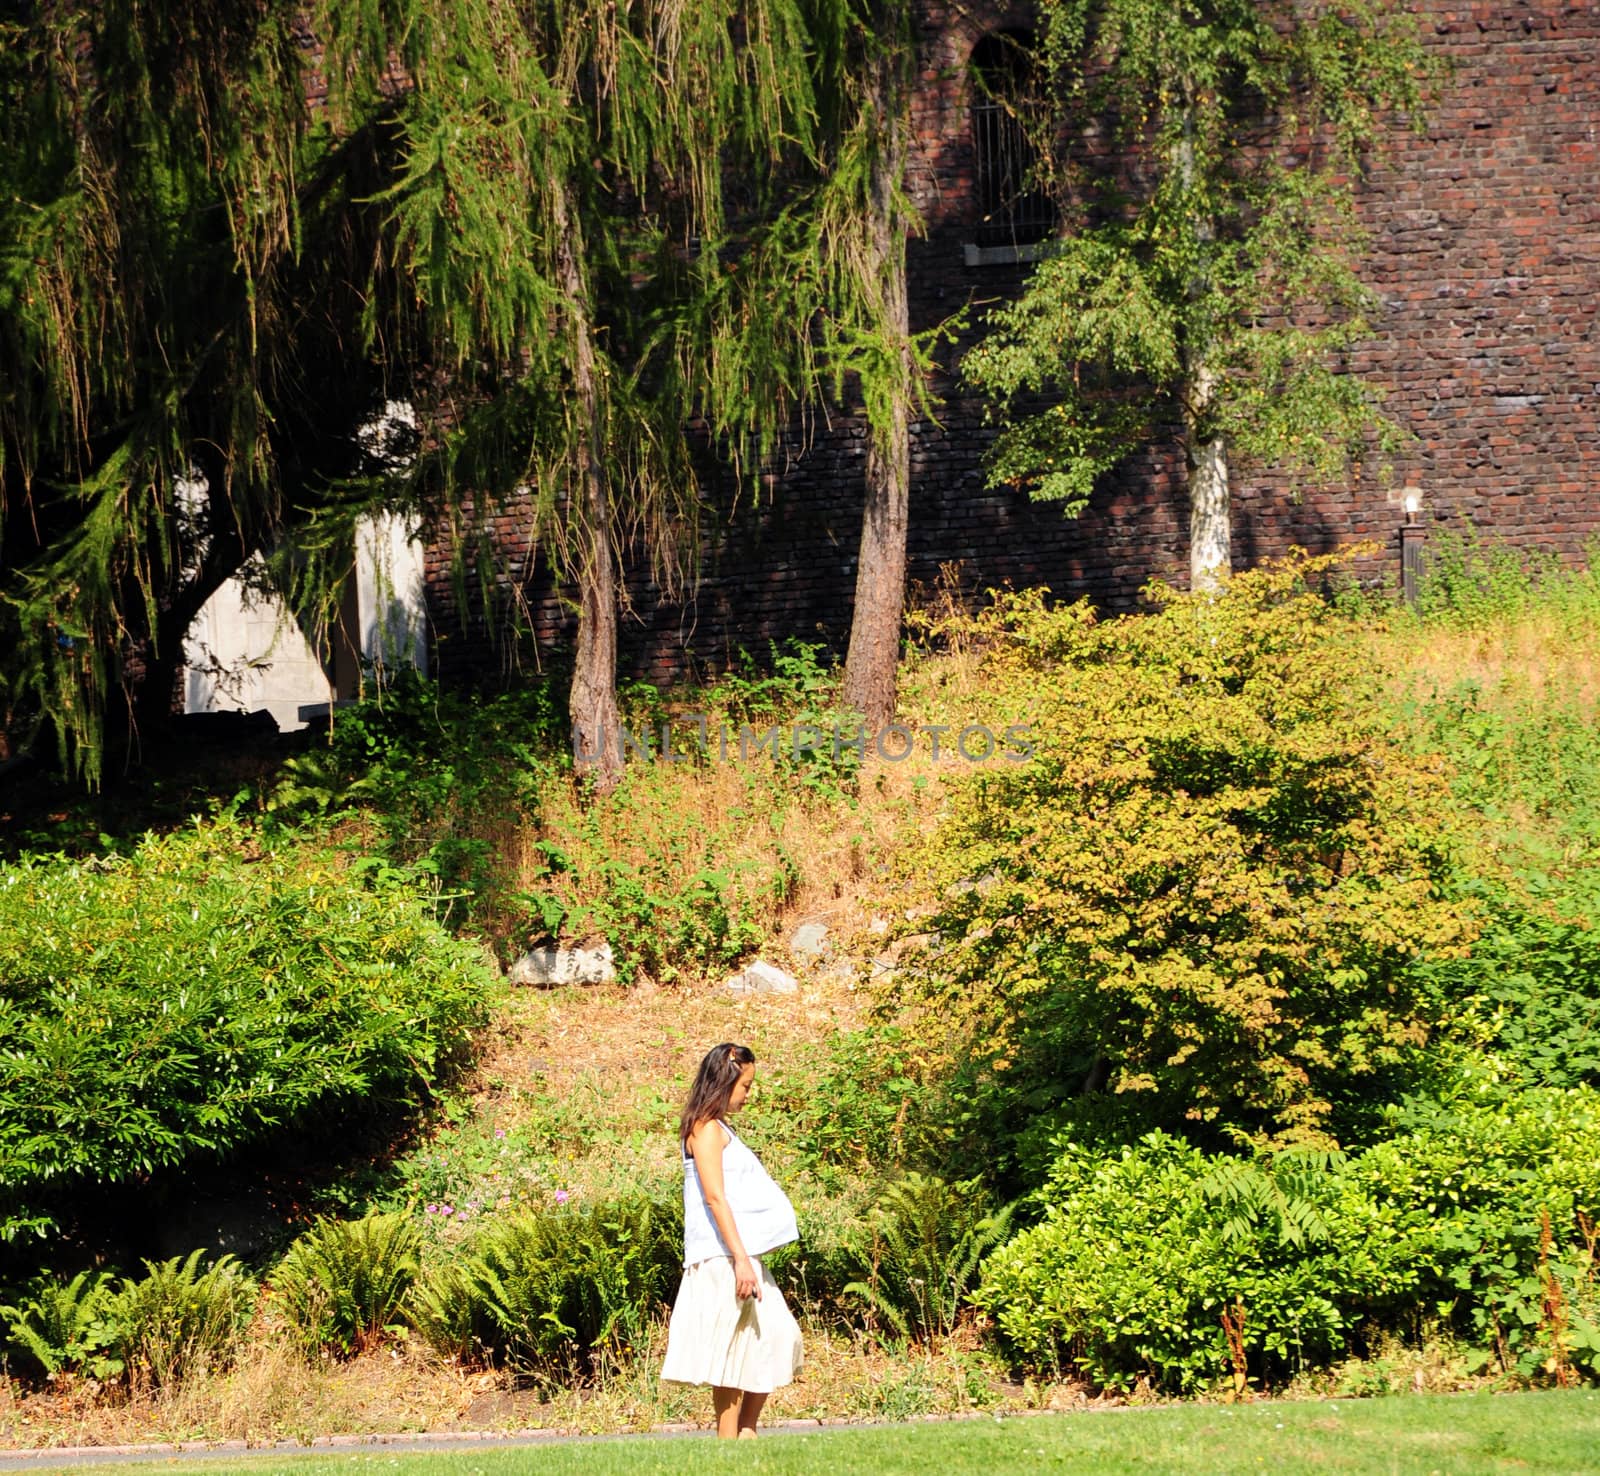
(872, 662)
(596, 739)
(1205, 450)
(1210, 511)
(144, 713)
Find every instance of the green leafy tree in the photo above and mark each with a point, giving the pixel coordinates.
(1206, 156)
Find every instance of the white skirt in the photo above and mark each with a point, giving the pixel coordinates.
(714, 1338)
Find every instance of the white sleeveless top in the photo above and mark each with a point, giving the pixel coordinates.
(761, 1210)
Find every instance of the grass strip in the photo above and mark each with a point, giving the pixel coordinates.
(1526, 1433)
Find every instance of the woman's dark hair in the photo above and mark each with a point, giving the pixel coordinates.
(713, 1084)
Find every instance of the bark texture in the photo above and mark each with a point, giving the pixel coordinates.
(593, 700)
(872, 661)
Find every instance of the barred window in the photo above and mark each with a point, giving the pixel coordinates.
(1012, 209)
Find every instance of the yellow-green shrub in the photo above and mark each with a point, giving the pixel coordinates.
(1207, 889)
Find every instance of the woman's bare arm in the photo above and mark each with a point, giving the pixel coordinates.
(706, 1143)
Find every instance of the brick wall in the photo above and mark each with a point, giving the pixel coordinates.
(1485, 253)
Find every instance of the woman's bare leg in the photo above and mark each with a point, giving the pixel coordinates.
(750, 1412)
(728, 1404)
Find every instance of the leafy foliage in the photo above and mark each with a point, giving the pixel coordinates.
(556, 1292)
(438, 772)
(1472, 1212)
(1213, 283)
(1142, 1250)
(180, 1318)
(1207, 889)
(870, 1111)
(185, 261)
(1470, 581)
(1485, 1184)
(928, 1238)
(1526, 1003)
(59, 1325)
(344, 1283)
(197, 994)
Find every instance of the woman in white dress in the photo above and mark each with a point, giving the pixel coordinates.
(730, 1326)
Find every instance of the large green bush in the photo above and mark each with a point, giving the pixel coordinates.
(1482, 1215)
(193, 996)
(1503, 1200)
(1525, 1004)
(1143, 1250)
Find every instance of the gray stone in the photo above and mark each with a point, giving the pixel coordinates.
(809, 940)
(762, 978)
(550, 967)
(914, 943)
(983, 885)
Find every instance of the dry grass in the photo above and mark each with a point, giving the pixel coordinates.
(794, 856)
(1540, 657)
(274, 1394)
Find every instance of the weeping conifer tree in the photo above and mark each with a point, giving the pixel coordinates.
(564, 209)
(877, 130)
(210, 283)
(184, 266)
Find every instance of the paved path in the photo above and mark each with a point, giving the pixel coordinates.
(75, 1457)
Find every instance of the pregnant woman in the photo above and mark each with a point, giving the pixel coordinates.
(730, 1326)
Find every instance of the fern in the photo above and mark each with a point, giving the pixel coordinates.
(1284, 1197)
(66, 1326)
(929, 1239)
(344, 1282)
(555, 1293)
(180, 1319)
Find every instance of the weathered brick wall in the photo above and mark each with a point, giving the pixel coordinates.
(1485, 253)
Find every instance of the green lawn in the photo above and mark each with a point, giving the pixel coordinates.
(1550, 1432)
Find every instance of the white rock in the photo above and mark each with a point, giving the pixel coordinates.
(549, 967)
(762, 978)
(982, 885)
(809, 940)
